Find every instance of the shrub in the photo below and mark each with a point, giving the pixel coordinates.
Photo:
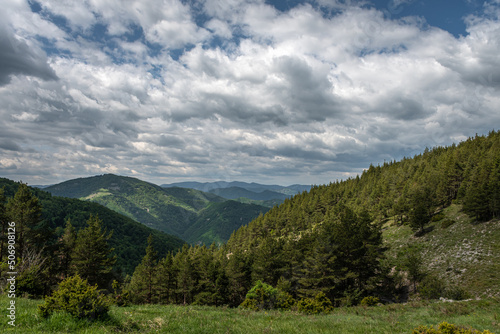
(438, 216)
(75, 296)
(446, 328)
(264, 297)
(370, 301)
(447, 223)
(456, 293)
(261, 297)
(319, 304)
(431, 288)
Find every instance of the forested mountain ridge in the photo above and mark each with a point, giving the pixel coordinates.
(468, 173)
(172, 210)
(128, 238)
(411, 192)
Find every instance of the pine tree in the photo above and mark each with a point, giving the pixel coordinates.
(167, 283)
(91, 257)
(67, 244)
(143, 285)
(25, 210)
(185, 277)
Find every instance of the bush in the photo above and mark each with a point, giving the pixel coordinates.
(447, 223)
(370, 301)
(446, 328)
(434, 288)
(261, 297)
(438, 216)
(431, 288)
(319, 304)
(76, 297)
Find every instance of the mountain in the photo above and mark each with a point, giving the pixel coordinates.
(172, 210)
(218, 221)
(129, 238)
(238, 190)
(437, 213)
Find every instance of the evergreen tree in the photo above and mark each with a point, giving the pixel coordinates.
(167, 280)
(143, 284)
(67, 245)
(421, 209)
(186, 275)
(91, 257)
(25, 210)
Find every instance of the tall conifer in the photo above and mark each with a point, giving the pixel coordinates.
(91, 257)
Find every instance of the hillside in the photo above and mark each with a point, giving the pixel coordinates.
(237, 192)
(172, 210)
(218, 221)
(442, 205)
(129, 238)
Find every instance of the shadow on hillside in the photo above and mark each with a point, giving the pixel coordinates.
(424, 231)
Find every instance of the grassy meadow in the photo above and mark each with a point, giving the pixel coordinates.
(394, 318)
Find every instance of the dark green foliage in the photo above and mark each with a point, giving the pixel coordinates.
(75, 296)
(217, 221)
(410, 260)
(25, 210)
(129, 238)
(447, 223)
(91, 258)
(431, 287)
(143, 285)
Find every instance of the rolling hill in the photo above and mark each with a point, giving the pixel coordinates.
(172, 210)
(129, 238)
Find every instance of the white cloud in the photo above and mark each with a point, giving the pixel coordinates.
(256, 94)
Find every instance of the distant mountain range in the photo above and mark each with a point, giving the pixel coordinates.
(191, 214)
(237, 190)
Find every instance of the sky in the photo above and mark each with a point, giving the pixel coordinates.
(276, 92)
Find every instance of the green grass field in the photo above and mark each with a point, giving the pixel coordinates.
(395, 318)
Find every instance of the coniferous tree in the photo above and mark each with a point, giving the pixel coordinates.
(91, 257)
(143, 284)
(167, 283)
(185, 276)
(67, 245)
(25, 210)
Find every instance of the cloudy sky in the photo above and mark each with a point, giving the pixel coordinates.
(283, 91)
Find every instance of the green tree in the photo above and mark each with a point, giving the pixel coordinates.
(144, 280)
(167, 284)
(25, 210)
(67, 244)
(91, 257)
(421, 208)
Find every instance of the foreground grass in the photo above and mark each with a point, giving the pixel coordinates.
(395, 318)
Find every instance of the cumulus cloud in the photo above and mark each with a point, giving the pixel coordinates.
(235, 89)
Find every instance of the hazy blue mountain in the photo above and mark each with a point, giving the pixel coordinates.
(252, 188)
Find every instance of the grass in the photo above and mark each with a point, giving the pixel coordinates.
(457, 249)
(394, 318)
